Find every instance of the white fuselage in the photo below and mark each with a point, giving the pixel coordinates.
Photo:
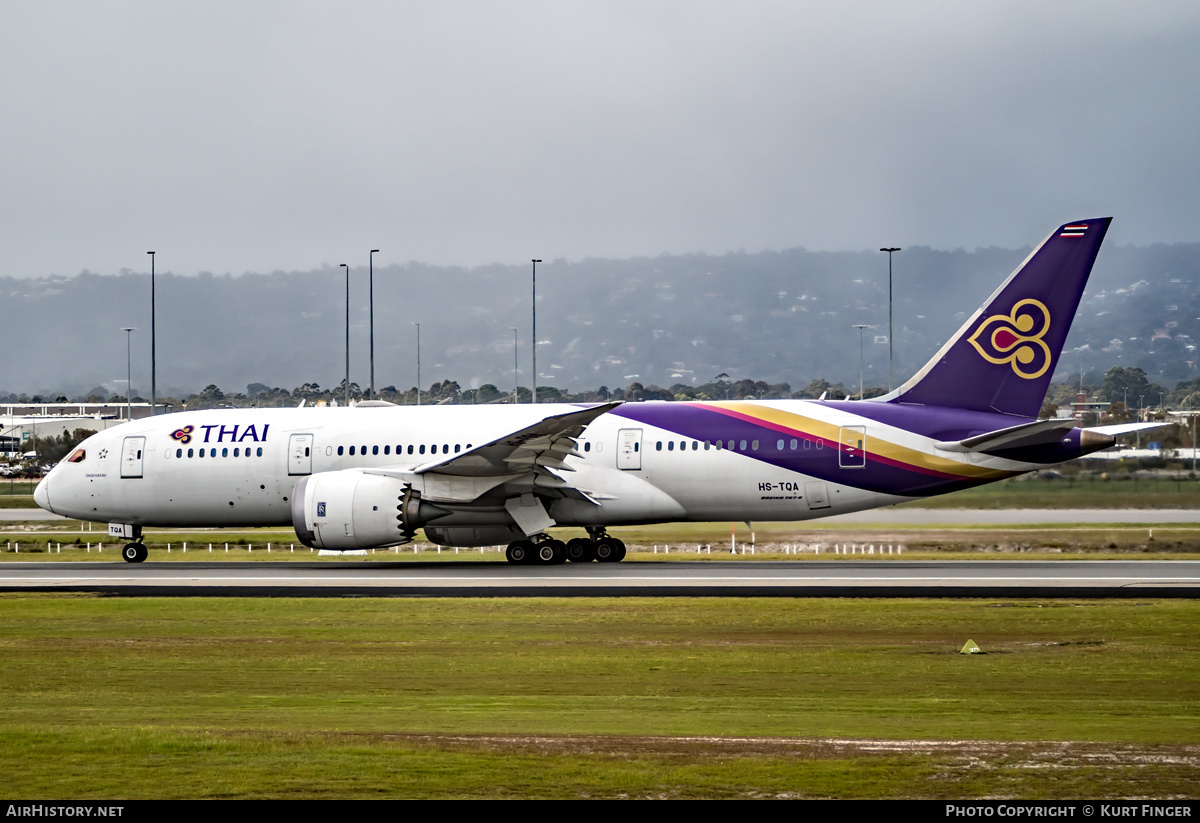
(240, 467)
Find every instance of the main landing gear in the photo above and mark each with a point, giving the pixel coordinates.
(546, 551)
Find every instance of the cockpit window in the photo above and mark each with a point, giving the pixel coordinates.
(77, 456)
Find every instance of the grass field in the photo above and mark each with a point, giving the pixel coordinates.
(1091, 491)
(110, 697)
(707, 542)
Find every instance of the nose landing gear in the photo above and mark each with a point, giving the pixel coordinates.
(134, 552)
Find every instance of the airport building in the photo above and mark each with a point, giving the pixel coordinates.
(21, 424)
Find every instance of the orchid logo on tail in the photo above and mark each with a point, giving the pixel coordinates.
(1016, 339)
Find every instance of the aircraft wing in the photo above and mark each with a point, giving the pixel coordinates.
(540, 449)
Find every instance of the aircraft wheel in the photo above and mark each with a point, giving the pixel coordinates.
(609, 549)
(580, 550)
(551, 552)
(134, 553)
(519, 552)
(620, 549)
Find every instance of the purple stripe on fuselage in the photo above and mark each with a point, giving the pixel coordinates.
(935, 422)
(821, 459)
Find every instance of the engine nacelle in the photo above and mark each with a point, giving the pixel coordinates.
(353, 509)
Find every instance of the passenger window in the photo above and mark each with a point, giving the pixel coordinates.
(374, 450)
(340, 450)
(363, 451)
(410, 449)
(794, 444)
(670, 445)
(695, 445)
(237, 453)
(445, 448)
(387, 449)
(456, 448)
(201, 453)
(730, 445)
(779, 445)
(305, 451)
(260, 451)
(422, 448)
(707, 445)
(742, 447)
(754, 445)
(190, 452)
(179, 452)
(587, 447)
(351, 451)
(225, 452)
(658, 446)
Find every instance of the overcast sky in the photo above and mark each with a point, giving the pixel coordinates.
(257, 136)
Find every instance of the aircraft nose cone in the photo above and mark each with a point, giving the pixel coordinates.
(41, 495)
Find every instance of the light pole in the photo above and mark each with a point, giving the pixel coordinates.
(515, 378)
(153, 387)
(533, 383)
(889, 254)
(347, 268)
(1139, 434)
(372, 276)
(128, 371)
(418, 325)
(860, 328)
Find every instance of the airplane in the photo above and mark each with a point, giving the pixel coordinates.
(372, 475)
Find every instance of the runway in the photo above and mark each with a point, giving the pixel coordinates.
(898, 578)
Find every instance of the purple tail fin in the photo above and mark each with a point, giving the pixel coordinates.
(1003, 357)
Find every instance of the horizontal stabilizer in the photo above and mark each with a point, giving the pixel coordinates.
(1129, 428)
(1038, 433)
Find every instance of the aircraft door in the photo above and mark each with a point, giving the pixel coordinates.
(853, 451)
(300, 448)
(131, 456)
(629, 449)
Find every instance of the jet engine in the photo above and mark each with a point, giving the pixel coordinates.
(355, 509)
